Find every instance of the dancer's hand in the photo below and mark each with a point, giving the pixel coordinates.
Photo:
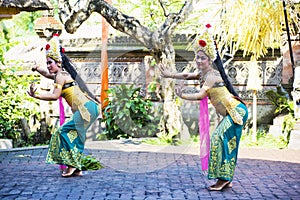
(178, 90)
(164, 72)
(34, 68)
(32, 90)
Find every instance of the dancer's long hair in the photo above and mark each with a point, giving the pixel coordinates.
(219, 64)
(69, 67)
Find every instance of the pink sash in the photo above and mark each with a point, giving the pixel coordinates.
(204, 133)
(61, 121)
(61, 112)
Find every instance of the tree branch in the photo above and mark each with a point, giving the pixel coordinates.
(174, 19)
(162, 4)
(156, 41)
(166, 30)
(72, 19)
(64, 10)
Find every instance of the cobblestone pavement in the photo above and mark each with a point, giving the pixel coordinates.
(145, 172)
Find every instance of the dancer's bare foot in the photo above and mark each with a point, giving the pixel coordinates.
(70, 171)
(220, 185)
(230, 185)
(78, 172)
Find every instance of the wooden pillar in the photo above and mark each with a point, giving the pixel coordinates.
(104, 62)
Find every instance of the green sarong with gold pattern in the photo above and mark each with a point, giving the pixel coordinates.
(224, 146)
(67, 143)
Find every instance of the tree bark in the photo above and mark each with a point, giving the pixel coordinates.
(26, 129)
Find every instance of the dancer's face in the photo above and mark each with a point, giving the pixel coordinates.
(202, 60)
(52, 66)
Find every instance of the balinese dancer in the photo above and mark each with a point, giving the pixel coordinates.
(224, 141)
(67, 143)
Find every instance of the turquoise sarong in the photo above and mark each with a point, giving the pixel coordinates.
(67, 143)
(224, 146)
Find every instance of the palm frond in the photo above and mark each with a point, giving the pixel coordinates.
(250, 26)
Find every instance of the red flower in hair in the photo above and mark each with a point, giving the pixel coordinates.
(55, 34)
(47, 46)
(202, 43)
(208, 26)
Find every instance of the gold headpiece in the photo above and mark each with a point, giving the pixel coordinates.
(53, 48)
(204, 42)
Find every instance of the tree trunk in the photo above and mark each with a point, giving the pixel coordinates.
(172, 114)
(26, 129)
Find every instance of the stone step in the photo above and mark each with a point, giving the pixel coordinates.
(5, 143)
(294, 142)
(275, 130)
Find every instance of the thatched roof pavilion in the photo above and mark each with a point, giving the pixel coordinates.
(8, 8)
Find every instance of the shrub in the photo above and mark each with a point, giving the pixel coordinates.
(128, 114)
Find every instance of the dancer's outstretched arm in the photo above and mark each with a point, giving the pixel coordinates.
(176, 75)
(192, 97)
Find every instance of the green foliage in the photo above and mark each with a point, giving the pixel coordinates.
(90, 163)
(128, 114)
(168, 138)
(288, 126)
(151, 13)
(17, 30)
(263, 140)
(152, 86)
(15, 104)
(281, 101)
(161, 141)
